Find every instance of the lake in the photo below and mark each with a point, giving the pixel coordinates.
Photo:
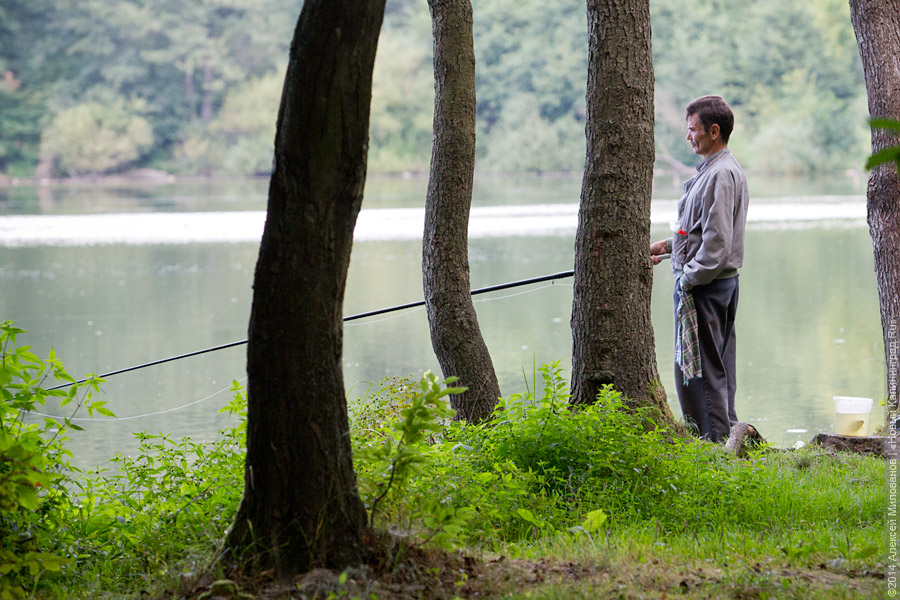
(115, 276)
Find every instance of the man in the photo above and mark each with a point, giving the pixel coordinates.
(707, 249)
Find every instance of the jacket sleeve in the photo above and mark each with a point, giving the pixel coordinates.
(717, 231)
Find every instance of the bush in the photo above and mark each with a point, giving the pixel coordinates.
(542, 468)
(35, 475)
(167, 506)
(95, 137)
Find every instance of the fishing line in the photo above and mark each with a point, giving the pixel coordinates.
(409, 312)
(543, 287)
(159, 412)
(484, 290)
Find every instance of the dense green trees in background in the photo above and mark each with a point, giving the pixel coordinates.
(100, 86)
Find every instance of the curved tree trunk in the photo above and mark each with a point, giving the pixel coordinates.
(455, 334)
(877, 27)
(611, 329)
(300, 507)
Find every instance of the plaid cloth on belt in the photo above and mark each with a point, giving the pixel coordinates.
(687, 342)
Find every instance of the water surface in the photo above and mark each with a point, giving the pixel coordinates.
(114, 277)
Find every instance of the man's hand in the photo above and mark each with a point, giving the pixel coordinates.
(656, 250)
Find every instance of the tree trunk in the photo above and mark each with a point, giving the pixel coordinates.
(455, 334)
(611, 329)
(206, 105)
(301, 508)
(877, 27)
(190, 94)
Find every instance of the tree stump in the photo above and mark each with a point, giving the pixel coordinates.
(742, 438)
(872, 444)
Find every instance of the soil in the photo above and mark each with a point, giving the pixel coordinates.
(398, 571)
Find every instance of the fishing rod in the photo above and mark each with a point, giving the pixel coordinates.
(381, 311)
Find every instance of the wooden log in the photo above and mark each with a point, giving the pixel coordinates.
(742, 438)
(872, 444)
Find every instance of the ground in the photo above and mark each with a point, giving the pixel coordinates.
(416, 574)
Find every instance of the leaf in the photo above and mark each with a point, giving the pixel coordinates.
(881, 123)
(27, 497)
(51, 562)
(63, 376)
(884, 156)
(527, 515)
(594, 520)
(105, 411)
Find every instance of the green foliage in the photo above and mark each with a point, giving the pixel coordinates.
(790, 69)
(34, 468)
(511, 147)
(531, 78)
(97, 137)
(541, 469)
(403, 97)
(803, 109)
(539, 475)
(392, 451)
(240, 139)
(891, 154)
(61, 529)
(168, 503)
(20, 138)
(546, 463)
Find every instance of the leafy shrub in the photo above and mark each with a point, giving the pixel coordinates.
(166, 506)
(398, 425)
(155, 511)
(541, 468)
(34, 468)
(95, 137)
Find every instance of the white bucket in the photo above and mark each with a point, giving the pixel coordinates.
(851, 415)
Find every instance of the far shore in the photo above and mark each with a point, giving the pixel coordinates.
(160, 177)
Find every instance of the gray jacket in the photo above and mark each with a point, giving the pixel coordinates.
(709, 239)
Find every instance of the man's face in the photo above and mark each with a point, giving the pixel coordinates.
(701, 141)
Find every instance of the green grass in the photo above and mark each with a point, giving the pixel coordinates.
(551, 503)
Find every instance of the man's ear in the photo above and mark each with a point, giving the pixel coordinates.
(714, 131)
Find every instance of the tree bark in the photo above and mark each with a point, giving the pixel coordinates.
(301, 508)
(455, 335)
(611, 328)
(877, 27)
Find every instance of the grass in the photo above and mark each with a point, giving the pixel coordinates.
(817, 534)
(545, 502)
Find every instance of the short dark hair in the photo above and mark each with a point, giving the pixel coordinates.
(710, 110)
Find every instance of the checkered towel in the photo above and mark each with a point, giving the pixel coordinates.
(687, 343)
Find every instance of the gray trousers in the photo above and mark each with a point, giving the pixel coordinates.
(707, 402)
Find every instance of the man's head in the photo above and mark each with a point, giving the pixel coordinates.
(710, 122)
